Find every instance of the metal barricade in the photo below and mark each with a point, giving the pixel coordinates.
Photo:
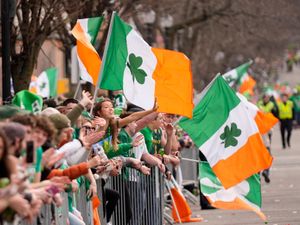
(141, 200)
(49, 214)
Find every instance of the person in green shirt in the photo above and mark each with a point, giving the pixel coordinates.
(295, 98)
(105, 110)
(44, 130)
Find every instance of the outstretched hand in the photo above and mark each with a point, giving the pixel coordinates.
(89, 139)
(50, 157)
(98, 121)
(86, 98)
(137, 141)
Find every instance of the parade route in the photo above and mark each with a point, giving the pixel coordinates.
(280, 198)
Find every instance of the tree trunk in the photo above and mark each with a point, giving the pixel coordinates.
(22, 67)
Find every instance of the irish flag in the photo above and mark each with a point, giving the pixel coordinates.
(227, 135)
(143, 73)
(264, 121)
(246, 195)
(86, 31)
(247, 84)
(46, 83)
(233, 77)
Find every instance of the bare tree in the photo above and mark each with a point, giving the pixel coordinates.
(214, 34)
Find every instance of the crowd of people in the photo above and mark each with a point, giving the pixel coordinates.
(45, 154)
(287, 110)
(54, 151)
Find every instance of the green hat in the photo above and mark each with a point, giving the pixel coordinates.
(60, 121)
(86, 114)
(28, 101)
(7, 111)
(99, 99)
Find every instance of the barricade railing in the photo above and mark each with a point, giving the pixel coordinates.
(141, 198)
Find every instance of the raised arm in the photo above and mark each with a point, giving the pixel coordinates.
(141, 123)
(134, 117)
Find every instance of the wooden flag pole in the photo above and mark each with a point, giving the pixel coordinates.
(103, 60)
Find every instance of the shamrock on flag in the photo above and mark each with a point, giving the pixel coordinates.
(230, 134)
(145, 73)
(225, 132)
(246, 195)
(28, 101)
(86, 31)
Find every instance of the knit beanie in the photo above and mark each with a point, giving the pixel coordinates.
(7, 111)
(60, 121)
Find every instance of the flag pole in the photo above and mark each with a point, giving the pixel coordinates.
(190, 160)
(78, 86)
(174, 204)
(103, 60)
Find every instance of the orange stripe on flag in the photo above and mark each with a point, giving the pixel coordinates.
(252, 158)
(237, 203)
(173, 82)
(265, 121)
(87, 53)
(247, 85)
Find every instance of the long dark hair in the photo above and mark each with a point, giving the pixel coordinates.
(4, 171)
(113, 124)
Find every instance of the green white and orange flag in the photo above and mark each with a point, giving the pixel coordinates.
(143, 73)
(233, 77)
(45, 84)
(227, 135)
(247, 84)
(264, 121)
(86, 31)
(246, 195)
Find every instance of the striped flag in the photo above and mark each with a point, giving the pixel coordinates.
(45, 84)
(227, 135)
(144, 73)
(247, 84)
(233, 77)
(264, 121)
(246, 195)
(86, 31)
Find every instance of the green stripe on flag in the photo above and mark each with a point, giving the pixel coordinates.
(242, 71)
(254, 195)
(210, 184)
(94, 25)
(206, 171)
(52, 77)
(211, 112)
(116, 57)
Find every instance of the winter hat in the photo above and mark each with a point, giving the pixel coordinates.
(28, 101)
(60, 121)
(7, 111)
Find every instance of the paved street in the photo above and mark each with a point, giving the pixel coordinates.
(281, 198)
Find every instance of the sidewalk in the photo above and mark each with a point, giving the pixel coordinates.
(281, 197)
